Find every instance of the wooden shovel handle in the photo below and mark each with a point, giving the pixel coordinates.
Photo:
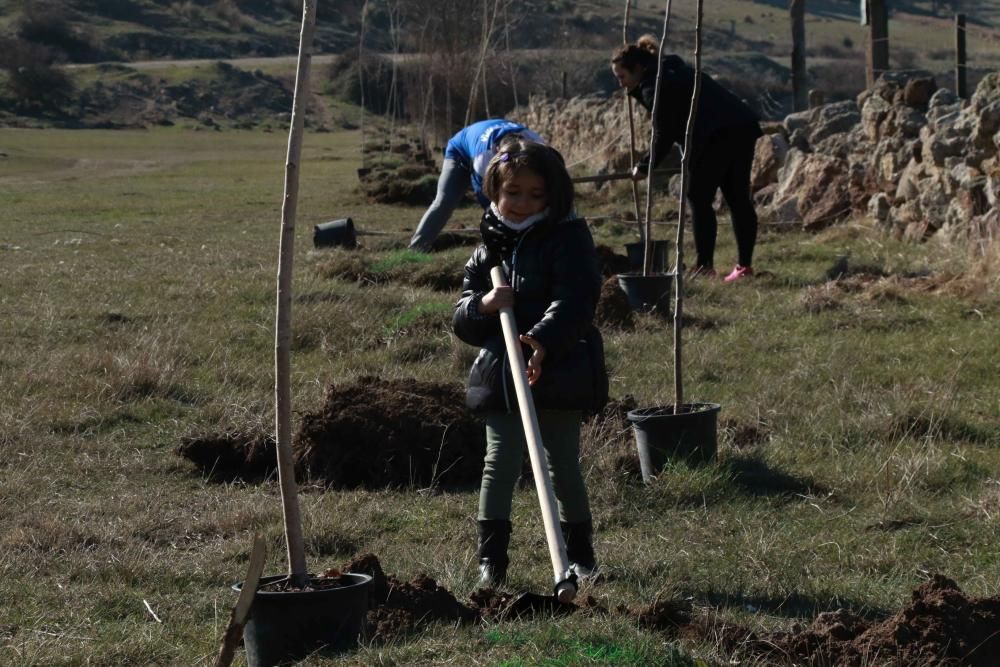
(242, 609)
(566, 590)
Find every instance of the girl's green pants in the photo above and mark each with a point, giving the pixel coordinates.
(505, 450)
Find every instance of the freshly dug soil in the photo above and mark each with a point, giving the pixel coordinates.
(325, 582)
(378, 433)
(611, 262)
(399, 172)
(398, 608)
(231, 457)
(613, 309)
(940, 627)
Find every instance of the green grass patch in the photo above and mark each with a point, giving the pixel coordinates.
(400, 259)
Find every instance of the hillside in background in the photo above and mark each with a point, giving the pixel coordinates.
(548, 48)
(130, 30)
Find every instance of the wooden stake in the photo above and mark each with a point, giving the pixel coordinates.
(877, 51)
(685, 182)
(238, 617)
(647, 260)
(631, 133)
(283, 324)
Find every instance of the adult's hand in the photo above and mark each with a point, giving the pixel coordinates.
(535, 361)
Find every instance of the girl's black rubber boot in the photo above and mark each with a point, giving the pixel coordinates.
(580, 548)
(494, 537)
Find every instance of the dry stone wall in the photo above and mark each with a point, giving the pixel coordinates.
(909, 156)
(592, 133)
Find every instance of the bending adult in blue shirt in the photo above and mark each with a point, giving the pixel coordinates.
(465, 160)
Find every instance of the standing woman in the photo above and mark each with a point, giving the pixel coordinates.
(725, 134)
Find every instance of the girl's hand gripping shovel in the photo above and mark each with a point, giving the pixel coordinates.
(565, 579)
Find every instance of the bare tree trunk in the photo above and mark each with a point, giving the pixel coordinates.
(487, 34)
(283, 328)
(510, 58)
(685, 183)
(361, 77)
(797, 9)
(631, 132)
(393, 105)
(447, 100)
(647, 262)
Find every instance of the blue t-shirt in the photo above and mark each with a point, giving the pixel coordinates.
(473, 148)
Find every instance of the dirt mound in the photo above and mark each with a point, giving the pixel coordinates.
(613, 310)
(398, 172)
(940, 626)
(448, 240)
(230, 457)
(663, 615)
(611, 263)
(378, 433)
(398, 608)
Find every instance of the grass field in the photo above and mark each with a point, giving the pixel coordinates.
(137, 277)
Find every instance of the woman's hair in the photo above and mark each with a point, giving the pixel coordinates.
(516, 154)
(641, 55)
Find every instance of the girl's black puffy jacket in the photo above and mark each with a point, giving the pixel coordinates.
(557, 283)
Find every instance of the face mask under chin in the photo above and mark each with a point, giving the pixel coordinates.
(523, 224)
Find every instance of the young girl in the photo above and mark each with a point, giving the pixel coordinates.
(725, 135)
(549, 260)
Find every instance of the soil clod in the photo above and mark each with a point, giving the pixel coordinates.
(940, 627)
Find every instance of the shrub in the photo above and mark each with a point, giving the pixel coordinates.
(49, 25)
(31, 78)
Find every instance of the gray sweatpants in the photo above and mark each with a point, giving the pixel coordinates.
(452, 184)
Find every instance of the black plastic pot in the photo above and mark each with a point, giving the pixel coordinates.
(647, 293)
(336, 232)
(661, 435)
(636, 255)
(285, 627)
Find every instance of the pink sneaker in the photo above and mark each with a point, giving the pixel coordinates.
(738, 272)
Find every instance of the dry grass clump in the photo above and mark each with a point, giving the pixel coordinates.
(441, 272)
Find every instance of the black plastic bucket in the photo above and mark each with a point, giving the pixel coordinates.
(661, 435)
(636, 255)
(285, 627)
(336, 232)
(647, 293)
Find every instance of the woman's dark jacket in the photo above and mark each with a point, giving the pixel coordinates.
(557, 282)
(719, 111)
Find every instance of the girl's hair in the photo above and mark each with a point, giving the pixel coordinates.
(518, 153)
(641, 55)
